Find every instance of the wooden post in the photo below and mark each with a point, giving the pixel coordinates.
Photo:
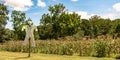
(29, 48)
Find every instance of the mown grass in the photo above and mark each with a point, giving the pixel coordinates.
(35, 56)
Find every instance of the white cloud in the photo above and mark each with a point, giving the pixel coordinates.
(111, 15)
(74, 0)
(117, 7)
(86, 15)
(41, 3)
(19, 5)
(83, 14)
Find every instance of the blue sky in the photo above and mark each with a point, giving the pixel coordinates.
(86, 8)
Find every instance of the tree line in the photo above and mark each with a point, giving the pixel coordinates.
(56, 24)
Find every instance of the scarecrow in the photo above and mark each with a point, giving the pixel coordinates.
(29, 38)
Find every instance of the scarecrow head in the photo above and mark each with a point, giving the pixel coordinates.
(29, 22)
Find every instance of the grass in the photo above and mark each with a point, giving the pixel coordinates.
(37, 56)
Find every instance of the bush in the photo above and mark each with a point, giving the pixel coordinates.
(117, 56)
(85, 48)
(100, 48)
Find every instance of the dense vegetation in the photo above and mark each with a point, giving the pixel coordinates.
(96, 48)
(58, 23)
(62, 33)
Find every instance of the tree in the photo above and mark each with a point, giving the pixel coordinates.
(69, 23)
(100, 25)
(59, 23)
(87, 27)
(18, 19)
(3, 19)
(115, 28)
(45, 27)
(55, 13)
(105, 26)
(7, 34)
(95, 20)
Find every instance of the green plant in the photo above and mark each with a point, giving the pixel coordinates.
(100, 48)
(117, 56)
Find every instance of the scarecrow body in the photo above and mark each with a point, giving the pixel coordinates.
(29, 34)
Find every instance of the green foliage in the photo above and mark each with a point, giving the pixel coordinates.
(117, 56)
(58, 47)
(85, 48)
(47, 47)
(86, 27)
(7, 35)
(3, 21)
(3, 15)
(100, 26)
(79, 35)
(18, 19)
(36, 35)
(97, 48)
(101, 47)
(58, 23)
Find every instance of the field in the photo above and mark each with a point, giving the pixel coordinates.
(35, 56)
(62, 50)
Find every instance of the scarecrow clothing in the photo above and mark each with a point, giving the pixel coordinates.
(29, 34)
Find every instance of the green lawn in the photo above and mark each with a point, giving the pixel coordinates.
(23, 56)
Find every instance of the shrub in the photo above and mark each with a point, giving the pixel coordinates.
(117, 56)
(100, 48)
(85, 48)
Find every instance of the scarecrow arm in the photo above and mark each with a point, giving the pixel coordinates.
(23, 28)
